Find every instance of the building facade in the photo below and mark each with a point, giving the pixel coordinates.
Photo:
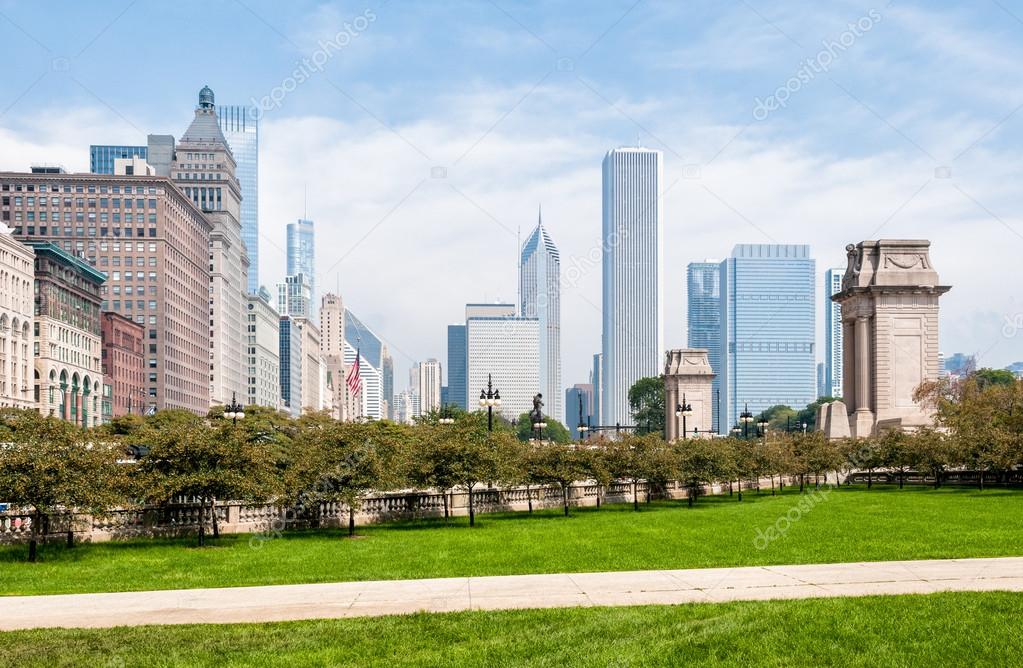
(314, 371)
(123, 362)
(263, 354)
(632, 295)
(291, 360)
(703, 317)
(768, 329)
(387, 382)
(505, 349)
(578, 407)
(540, 295)
(426, 382)
(17, 306)
(101, 157)
(371, 348)
(457, 392)
(67, 332)
(832, 334)
(204, 169)
(240, 126)
(302, 253)
(152, 242)
(598, 364)
(294, 296)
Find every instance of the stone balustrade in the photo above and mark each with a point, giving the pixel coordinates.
(181, 517)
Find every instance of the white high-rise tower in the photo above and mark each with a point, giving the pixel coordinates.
(633, 266)
(540, 295)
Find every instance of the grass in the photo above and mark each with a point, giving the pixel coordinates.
(935, 629)
(850, 525)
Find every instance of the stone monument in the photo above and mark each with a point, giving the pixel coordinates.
(889, 301)
(687, 381)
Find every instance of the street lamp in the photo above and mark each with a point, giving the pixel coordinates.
(445, 418)
(233, 411)
(746, 418)
(582, 425)
(762, 424)
(736, 430)
(683, 410)
(488, 399)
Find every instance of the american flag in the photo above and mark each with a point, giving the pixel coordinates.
(354, 378)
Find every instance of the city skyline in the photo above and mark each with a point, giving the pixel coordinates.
(739, 179)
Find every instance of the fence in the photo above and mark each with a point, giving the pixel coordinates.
(178, 519)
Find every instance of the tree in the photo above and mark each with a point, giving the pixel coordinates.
(558, 464)
(780, 417)
(988, 377)
(49, 466)
(701, 462)
(188, 457)
(646, 403)
(433, 460)
(628, 458)
(554, 431)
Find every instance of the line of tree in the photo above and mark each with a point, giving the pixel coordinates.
(50, 469)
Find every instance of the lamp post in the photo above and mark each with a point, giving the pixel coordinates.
(233, 411)
(762, 424)
(445, 417)
(488, 399)
(582, 425)
(683, 410)
(746, 418)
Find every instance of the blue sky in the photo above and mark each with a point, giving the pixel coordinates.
(912, 128)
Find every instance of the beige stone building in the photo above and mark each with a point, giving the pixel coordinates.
(153, 245)
(263, 352)
(204, 169)
(688, 394)
(889, 301)
(17, 368)
(332, 349)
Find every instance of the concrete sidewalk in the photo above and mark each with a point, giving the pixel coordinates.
(357, 599)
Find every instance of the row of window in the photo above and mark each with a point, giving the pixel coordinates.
(80, 231)
(116, 190)
(80, 202)
(80, 217)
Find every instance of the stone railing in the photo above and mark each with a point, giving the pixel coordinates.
(951, 478)
(182, 516)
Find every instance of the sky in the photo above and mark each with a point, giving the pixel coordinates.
(423, 137)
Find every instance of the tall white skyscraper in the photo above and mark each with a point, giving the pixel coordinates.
(832, 333)
(540, 294)
(506, 348)
(633, 266)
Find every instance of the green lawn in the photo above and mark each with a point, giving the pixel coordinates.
(850, 525)
(937, 629)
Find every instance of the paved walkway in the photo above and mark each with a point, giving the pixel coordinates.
(357, 599)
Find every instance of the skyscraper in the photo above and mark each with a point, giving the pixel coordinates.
(301, 253)
(294, 296)
(204, 167)
(291, 360)
(573, 417)
(832, 333)
(703, 285)
(457, 392)
(633, 230)
(598, 364)
(372, 349)
(425, 381)
(540, 295)
(241, 129)
(767, 329)
(101, 157)
(387, 381)
(506, 348)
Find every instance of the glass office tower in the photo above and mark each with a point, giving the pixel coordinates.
(301, 253)
(703, 285)
(241, 130)
(767, 329)
(101, 157)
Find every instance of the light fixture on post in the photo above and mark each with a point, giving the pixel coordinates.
(746, 418)
(233, 411)
(683, 410)
(489, 398)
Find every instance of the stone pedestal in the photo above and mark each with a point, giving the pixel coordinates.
(889, 303)
(688, 379)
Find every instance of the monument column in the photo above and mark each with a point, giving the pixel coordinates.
(862, 363)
